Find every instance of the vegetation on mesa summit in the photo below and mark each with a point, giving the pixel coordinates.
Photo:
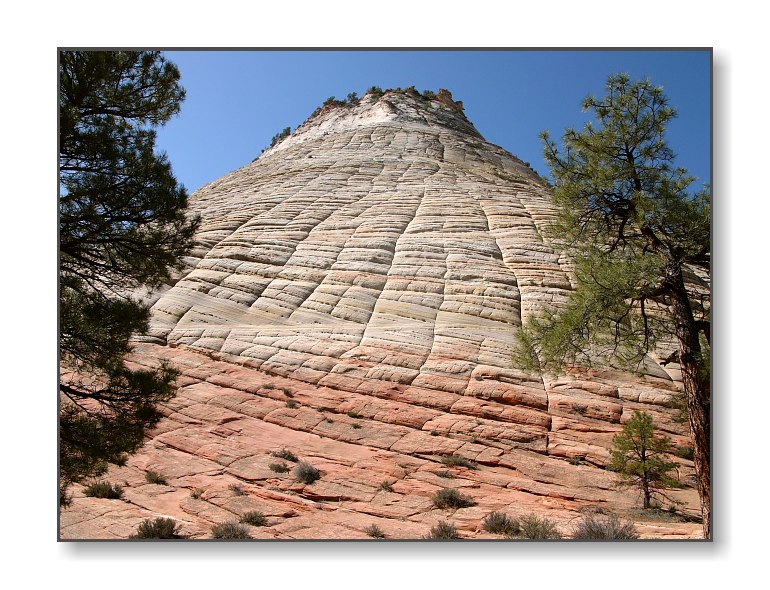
(639, 456)
(635, 233)
(122, 225)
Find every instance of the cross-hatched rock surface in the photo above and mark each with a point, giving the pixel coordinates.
(354, 298)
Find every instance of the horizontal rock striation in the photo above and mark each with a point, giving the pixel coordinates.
(354, 297)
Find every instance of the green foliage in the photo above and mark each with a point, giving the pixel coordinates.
(291, 404)
(285, 454)
(628, 221)
(640, 239)
(122, 226)
(279, 137)
(103, 489)
(639, 456)
(457, 461)
(229, 530)
(684, 452)
(445, 474)
(595, 526)
(154, 477)
(443, 530)
(254, 518)
(501, 524)
(159, 528)
(374, 532)
(375, 91)
(534, 527)
(428, 94)
(196, 493)
(386, 485)
(306, 473)
(451, 498)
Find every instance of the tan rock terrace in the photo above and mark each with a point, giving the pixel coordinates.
(354, 298)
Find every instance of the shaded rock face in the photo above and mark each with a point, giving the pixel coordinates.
(354, 298)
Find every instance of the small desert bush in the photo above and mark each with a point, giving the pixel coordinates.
(534, 527)
(501, 524)
(451, 498)
(229, 530)
(354, 414)
(685, 452)
(291, 404)
(159, 528)
(288, 392)
(237, 489)
(254, 518)
(374, 532)
(285, 454)
(104, 489)
(306, 473)
(443, 530)
(445, 474)
(457, 461)
(279, 467)
(356, 426)
(196, 493)
(269, 386)
(387, 486)
(595, 526)
(155, 477)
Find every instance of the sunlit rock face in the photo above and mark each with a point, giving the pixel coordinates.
(354, 297)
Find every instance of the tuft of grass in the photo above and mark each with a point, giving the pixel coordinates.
(329, 421)
(501, 524)
(374, 532)
(580, 408)
(685, 452)
(306, 473)
(104, 489)
(387, 485)
(159, 528)
(534, 527)
(196, 493)
(285, 454)
(443, 530)
(269, 386)
(595, 526)
(121, 460)
(287, 392)
(155, 477)
(576, 460)
(434, 432)
(236, 489)
(354, 414)
(279, 467)
(229, 530)
(254, 518)
(445, 474)
(356, 426)
(451, 498)
(457, 461)
(290, 403)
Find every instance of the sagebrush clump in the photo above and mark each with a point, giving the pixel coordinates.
(158, 528)
(451, 498)
(457, 461)
(104, 489)
(535, 527)
(501, 524)
(306, 473)
(254, 518)
(229, 530)
(443, 530)
(596, 526)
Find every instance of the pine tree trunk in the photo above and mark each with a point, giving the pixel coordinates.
(696, 390)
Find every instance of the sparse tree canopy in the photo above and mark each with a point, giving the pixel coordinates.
(122, 225)
(639, 456)
(640, 241)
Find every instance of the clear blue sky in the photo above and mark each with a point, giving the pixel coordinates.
(237, 100)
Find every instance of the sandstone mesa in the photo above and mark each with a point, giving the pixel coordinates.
(353, 298)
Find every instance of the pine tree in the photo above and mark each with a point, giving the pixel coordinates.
(640, 457)
(122, 226)
(641, 245)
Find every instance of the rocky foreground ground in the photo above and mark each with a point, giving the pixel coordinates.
(354, 299)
